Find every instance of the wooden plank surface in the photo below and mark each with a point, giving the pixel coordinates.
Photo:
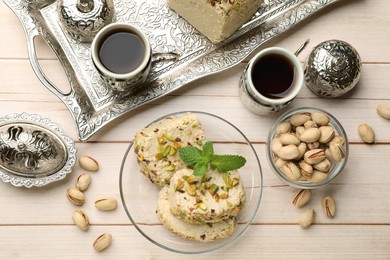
(36, 223)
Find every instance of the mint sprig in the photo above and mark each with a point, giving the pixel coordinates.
(201, 159)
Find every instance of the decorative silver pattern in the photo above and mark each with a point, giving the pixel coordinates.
(252, 104)
(93, 104)
(332, 69)
(83, 19)
(34, 151)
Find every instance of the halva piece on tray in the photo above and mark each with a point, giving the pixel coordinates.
(156, 146)
(216, 19)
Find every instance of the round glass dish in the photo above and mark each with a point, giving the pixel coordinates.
(335, 168)
(139, 196)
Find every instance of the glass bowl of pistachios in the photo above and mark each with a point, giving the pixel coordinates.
(307, 147)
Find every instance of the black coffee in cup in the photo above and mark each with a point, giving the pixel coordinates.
(271, 80)
(122, 55)
(273, 75)
(121, 51)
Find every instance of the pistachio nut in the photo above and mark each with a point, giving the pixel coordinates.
(366, 133)
(292, 171)
(310, 124)
(302, 148)
(314, 145)
(88, 163)
(310, 135)
(318, 176)
(282, 128)
(307, 218)
(301, 198)
(75, 196)
(275, 145)
(338, 139)
(299, 119)
(306, 167)
(191, 190)
(323, 166)
(106, 204)
(337, 151)
(328, 154)
(299, 130)
(327, 134)
(288, 152)
(80, 219)
(305, 174)
(289, 138)
(102, 242)
(320, 118)
(329, 206)
(314, 156)
(279, 163)
(383, 111)
(83, 181)
(318, 145)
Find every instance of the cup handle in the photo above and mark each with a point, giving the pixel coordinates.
(302, 47)
(164, 56)
(37, 68)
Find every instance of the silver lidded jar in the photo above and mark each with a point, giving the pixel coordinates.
(332, 69)
(83, 19)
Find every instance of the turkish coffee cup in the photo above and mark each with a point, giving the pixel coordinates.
(122, 55)
(270, 81)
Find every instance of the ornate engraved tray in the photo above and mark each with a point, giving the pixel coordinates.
(93, 104)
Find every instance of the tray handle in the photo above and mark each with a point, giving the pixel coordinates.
(37, 68)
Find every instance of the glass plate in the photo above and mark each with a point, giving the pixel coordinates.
(139, 195)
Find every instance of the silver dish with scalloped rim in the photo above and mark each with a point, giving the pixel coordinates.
(34, 151)
(93, 104)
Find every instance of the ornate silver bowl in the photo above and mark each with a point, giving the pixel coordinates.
(34, 151)
(332, 69)
(83, 19)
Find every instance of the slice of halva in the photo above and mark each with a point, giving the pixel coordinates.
(216, 19)
(206, 199)
(156, 146)
(199, 232)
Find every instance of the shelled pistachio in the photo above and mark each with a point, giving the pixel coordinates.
(329, 206)
(307, 218)
(102, 242)
(83, 181)
(80, 219)
(301, 197)
(106, 204)
(88, 163)
(366, 133)
(75, 196)
(383, 111)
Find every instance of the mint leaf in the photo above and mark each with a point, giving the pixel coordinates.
(200, 160)
(190, 155)
(225, 163)
(200, 169)
(208, 149)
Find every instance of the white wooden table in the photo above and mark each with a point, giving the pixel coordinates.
(37, 224)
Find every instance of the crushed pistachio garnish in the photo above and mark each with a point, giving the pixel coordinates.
(196, 186)
(225, 4)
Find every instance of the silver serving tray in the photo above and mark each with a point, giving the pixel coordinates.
(93, 104)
